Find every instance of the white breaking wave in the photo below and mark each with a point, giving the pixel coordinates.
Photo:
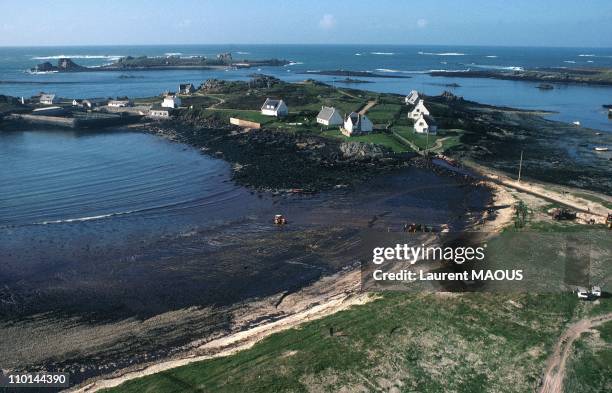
(40, 72)
(569, 61)
(55, 57)
(292, 63)
(492, 57)
(357, 54)
(589, 61)
(442, 71)
(442, 54)
(109, 215)
(383, 53)
(589, 55)
(173, 54)
(83, 219)
(416, 71)
(243, 53)
(498, 67)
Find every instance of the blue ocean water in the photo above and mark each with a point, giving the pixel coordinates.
(571, 102)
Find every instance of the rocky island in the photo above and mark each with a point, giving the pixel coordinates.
(362, 74)
(593, 76)
(146, 63)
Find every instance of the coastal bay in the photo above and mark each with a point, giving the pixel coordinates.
(162, 276)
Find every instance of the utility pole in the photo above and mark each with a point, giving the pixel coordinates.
(520, 167)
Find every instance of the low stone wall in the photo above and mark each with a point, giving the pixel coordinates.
(51, 120)
(244, 123)
(77, 121)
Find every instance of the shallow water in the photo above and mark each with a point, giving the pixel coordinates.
(81, 210)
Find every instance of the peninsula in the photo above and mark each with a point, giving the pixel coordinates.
(288, 152)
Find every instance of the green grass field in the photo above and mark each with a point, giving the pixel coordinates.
(408, 342)
(590, 367)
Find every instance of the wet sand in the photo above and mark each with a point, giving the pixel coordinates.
(141, 299)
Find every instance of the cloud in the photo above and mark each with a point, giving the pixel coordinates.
(422, 23)
(327, 22)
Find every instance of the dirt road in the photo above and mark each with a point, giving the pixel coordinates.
(555, 369)
(368, 106)
(556, 194)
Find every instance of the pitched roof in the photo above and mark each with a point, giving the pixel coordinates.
(326, 113)
(429, 120)
(356, 119)
(271, 103)
(47, 97)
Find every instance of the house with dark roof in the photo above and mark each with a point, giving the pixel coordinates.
(186, 88)
(276, 108)
(412, 98)
(329, 116)
(356, 124)
(47, 99)
(425, 124)
(419, 110)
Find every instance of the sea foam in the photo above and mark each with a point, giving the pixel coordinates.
(442, 54)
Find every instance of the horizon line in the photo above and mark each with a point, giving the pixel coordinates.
(305, 44)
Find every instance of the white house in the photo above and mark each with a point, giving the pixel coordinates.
(425, 124)
(119, 103)
(171, 101)
(329, 116)
(186, 88)
(356, 123)
(276, 108)
(160, 112)
(47, 99)
(419, 110)
(412, 98)
(76, 102)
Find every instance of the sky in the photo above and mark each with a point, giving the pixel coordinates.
(426, 22)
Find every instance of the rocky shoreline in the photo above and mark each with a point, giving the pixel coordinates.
(277, 161)
(549, 75)
(362, 74)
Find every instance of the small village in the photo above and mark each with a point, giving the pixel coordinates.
(404, 125)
